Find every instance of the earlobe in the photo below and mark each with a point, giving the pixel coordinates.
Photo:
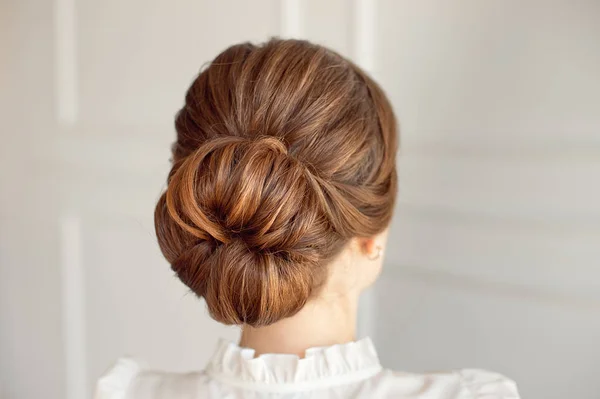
(377, 253)
(370, 248)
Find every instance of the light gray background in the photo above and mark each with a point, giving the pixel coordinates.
(494, 255)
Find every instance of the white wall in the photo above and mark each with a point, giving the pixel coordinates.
(496, 261)
(495, 245)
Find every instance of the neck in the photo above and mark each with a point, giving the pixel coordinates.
(324, 321)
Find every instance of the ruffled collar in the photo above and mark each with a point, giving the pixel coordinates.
(321, 366)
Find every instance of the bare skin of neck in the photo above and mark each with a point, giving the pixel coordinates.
(326, 320)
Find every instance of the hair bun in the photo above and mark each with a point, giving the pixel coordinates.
(238, 188)
(244, 208)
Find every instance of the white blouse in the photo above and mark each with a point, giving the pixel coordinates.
(340, 371)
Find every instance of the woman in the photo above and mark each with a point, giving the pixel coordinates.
(276, 213)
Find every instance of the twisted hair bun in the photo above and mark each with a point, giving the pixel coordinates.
(284, 152)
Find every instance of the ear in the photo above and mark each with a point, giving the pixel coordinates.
(368, 246)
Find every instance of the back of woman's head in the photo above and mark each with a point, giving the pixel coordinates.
(284, 153)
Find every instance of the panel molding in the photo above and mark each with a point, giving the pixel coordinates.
(499, 221)
(292, 18)
(505, 145)
(73, 308)
(543, 256)
(482, 286)
(364, 17)
(65, 56)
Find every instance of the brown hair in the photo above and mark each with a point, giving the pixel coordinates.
(285, 151)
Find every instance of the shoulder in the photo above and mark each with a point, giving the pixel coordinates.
(459, 384)
(484, 384)
(115, 383)
(129, 379)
